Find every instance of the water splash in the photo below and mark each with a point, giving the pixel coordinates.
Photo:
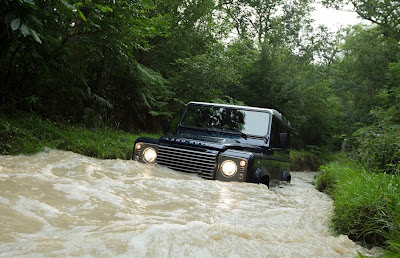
(60, 203)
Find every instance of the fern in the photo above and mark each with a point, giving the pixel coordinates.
(102, 101)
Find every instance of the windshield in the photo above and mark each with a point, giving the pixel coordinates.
(227, 119)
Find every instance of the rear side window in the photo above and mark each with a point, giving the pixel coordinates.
(276, 129)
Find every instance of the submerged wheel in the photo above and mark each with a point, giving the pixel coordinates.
(265, 180)
(288, 179)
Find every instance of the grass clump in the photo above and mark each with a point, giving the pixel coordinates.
(304, 161)
(309, 160)
(366, 204)
(25, 133)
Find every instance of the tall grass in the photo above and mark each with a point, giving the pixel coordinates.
(27, 133)
(311, 159)
(366, 204)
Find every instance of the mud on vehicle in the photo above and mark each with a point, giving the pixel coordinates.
(224, 142)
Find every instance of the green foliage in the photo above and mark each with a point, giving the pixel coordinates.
(360, 75)
(304, 161)
(24, 133)
(366, 204)
(25, 17)
(203, 77)
(379, 147)
(85, 70)
(390, 96)
(268, 21)
(192, 27)
(155, 95)
(311, 159)
(130, 64)
(280, 79)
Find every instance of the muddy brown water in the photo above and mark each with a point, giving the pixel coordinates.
(58, 203)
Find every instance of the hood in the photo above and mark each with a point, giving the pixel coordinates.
(218, 143)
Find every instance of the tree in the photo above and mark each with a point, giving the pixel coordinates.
(267, 20)
(73, 68)
(383, 13)
(192, 28)
(360, 74)
(282, 80)
(204, 77)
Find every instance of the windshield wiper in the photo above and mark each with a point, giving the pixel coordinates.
(240, 133)
(204, 128)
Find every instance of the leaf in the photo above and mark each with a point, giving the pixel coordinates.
(38, 22)
(82, 15)
(95, 25)
(15, 24)
(25, 30)
(144, 99)
(29, 2)
(66, 4)
(35, 35)
(154, 113)
(6, 125)
(104, 8)
(102, 101)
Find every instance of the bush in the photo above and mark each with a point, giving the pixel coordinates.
(379, 147)
(311, 159)
(27, 133)
(366, 204)
(304, 161)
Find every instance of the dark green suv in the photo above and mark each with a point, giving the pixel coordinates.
(224, 142)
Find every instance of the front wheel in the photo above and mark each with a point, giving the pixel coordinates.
(265, 180)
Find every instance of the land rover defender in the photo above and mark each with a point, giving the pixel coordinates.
(224, 142)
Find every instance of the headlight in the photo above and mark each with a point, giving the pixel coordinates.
(149, 155)
(228, 168)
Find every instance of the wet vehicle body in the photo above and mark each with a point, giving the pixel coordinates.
(224, 142)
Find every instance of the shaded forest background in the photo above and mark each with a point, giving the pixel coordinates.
(129, 64)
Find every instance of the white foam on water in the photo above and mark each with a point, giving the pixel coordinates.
(37, 207)
(4, 200)
(58, 203)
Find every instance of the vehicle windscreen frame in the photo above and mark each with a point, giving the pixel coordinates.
(235, 131)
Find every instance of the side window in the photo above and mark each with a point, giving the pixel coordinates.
(275, 130)
(286, 140)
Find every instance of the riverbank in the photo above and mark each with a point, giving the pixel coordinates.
(366, 204)
(26, 133)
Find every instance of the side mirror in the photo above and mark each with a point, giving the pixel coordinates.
(165, 126)
(284, 140)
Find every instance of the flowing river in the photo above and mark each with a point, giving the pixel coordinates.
(58, 203)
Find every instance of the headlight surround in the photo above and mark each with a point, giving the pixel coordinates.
(149, 155)
(229, 168)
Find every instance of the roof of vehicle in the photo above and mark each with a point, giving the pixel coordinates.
(269, 110)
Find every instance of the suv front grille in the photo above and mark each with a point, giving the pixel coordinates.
(191, 161)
